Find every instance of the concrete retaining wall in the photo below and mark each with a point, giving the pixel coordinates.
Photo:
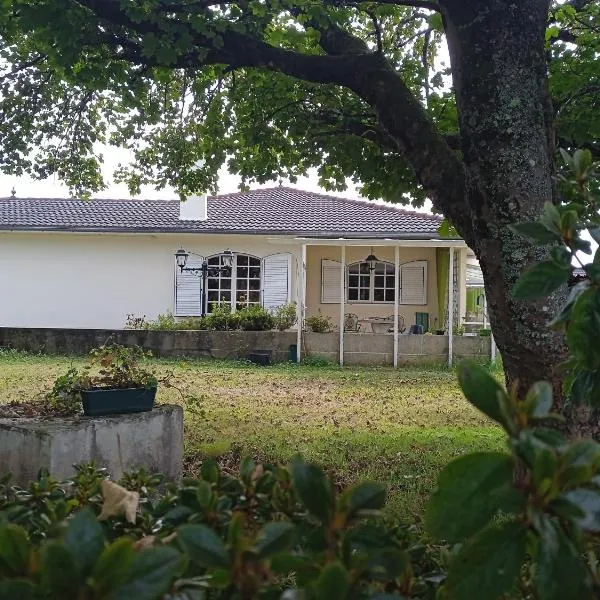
(375, 349)
(153, 440)
(359, 348)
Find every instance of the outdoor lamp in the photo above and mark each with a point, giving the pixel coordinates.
(371, 260)
(227, 258)
(181, 256)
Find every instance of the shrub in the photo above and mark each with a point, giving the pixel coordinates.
(250, 535)
(255, 318)
(285, 316)
(319, 323)
(165, 322)
(221, 318)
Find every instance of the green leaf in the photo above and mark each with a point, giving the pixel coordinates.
(484, 392)
(203, 546)
(14, 550)
(583, 452)
(210, 470)
(540, 280)
(334, 583)
(59, 575)
(152, 575)
(204, 494)
(470, 491)
(583, 332)
(560, 574)
(540, 396)
(112, 568)
(545, 466)
(85, 539)
(550, 218)
(388, 563)
(364, 496)
(273, 538)
(595, 233)
(314, 489)
(247, 468)
(20, 589)
(588, 502)
(536, 232)
(488, 565)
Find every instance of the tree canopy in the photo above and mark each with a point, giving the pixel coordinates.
(272, 87)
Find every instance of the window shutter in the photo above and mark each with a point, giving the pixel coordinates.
(188, 290)
(413, 283)
(331, 272)
(276, 280)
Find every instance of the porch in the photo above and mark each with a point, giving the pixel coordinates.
(383, 293)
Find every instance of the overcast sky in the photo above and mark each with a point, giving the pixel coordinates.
(26, 187)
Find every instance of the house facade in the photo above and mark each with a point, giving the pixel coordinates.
(89, 264)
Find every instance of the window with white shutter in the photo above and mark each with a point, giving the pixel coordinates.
(331, 272)
(276, 280)
(188, 289)
(413, 283)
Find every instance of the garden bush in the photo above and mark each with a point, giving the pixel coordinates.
(165, 322)
(285, 316)
(255, 318)
(319, 323)
(222, 318)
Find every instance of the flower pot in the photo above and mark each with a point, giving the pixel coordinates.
(103, 401)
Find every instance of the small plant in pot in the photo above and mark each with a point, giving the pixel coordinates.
(113, 382)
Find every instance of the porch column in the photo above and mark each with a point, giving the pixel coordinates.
(396, 300)
(450, 304)
(300, 302)
(342, 301)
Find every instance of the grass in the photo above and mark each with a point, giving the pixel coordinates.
(398, 427)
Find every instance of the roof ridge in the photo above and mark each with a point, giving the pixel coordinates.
(363, 201)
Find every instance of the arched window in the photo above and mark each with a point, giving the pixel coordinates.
(239, 288)
(366, 285)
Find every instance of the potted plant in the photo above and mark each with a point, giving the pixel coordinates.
(319, 323)
(113, 382)
(485, 332)
(435, 329)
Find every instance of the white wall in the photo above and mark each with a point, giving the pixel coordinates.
(96, 280)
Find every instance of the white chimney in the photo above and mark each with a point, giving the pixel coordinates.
(193, 209)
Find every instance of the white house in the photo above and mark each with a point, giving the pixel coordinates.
(88, 264)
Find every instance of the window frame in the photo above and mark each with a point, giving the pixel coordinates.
(372, 274)
(233, 277)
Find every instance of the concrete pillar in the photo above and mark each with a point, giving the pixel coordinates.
(450, 304)
(342, 301)
(396, 300)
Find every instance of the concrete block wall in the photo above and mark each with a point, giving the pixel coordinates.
(359, 348)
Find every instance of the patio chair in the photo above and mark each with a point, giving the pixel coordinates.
(351, 323)
(401, 324)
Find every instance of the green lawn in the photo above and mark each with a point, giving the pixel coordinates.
(398, 427)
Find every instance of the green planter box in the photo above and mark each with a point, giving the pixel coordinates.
(102, 401)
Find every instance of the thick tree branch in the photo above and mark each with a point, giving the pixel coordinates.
(425, 4)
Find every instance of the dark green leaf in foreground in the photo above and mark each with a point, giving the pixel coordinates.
(470, 491)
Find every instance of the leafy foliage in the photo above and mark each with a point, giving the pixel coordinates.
(109, 366)
(285, 316)
(249, 534)
(319, 323)
(562, 226)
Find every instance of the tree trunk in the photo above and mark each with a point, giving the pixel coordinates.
(499, 66)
